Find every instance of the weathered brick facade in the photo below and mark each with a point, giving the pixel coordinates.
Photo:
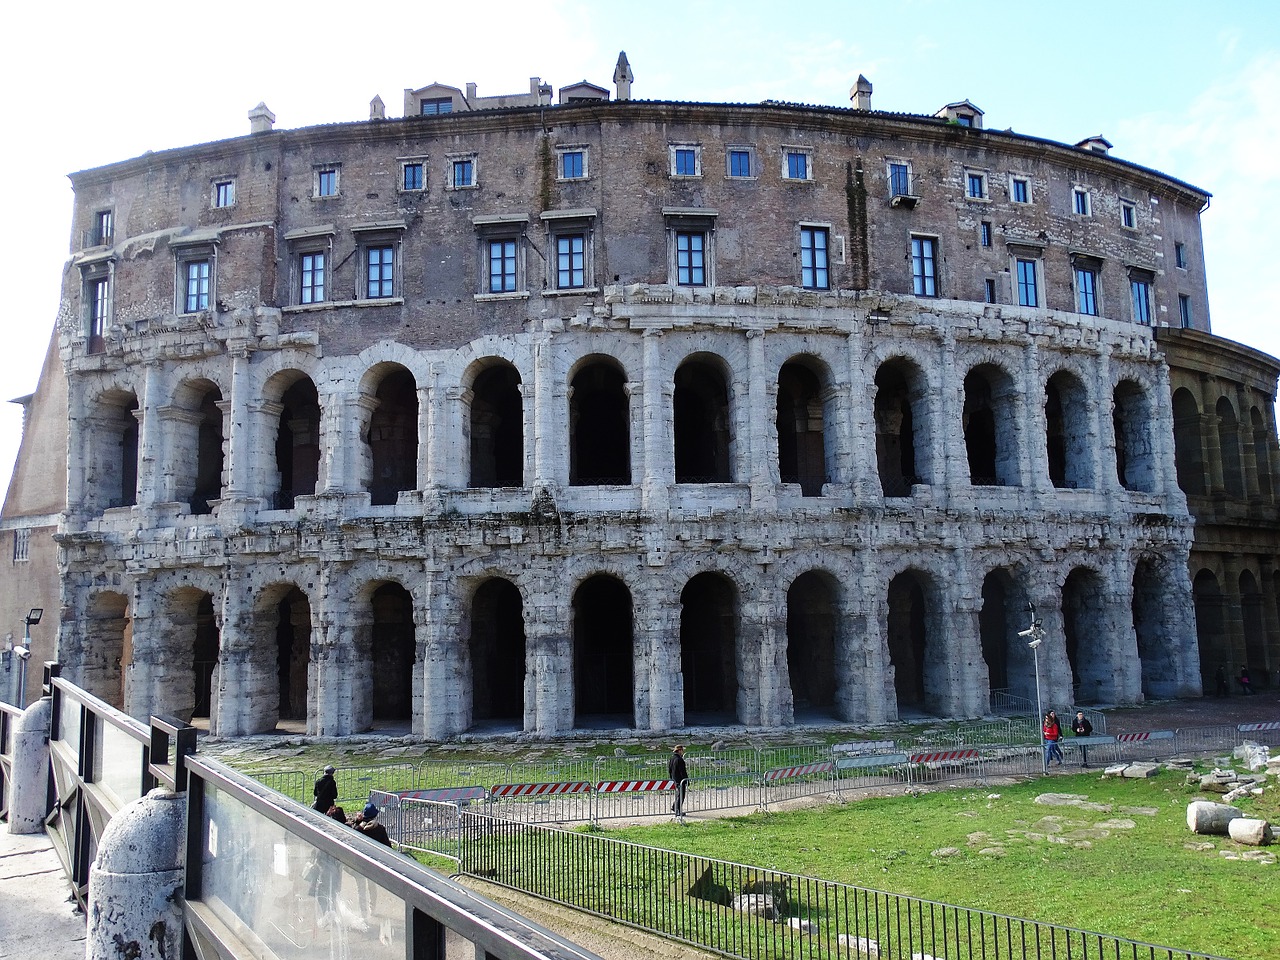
(624, 413)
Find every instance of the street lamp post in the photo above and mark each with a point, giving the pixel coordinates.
(24, 653)
(1034, 635)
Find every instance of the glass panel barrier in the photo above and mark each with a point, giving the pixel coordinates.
(69, 723)
(118, 763)
(274, 888)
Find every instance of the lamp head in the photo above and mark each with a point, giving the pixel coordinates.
(34, 616)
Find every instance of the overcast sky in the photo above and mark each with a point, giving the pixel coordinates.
(1191, 89)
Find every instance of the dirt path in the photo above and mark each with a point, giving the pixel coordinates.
(1200, 712)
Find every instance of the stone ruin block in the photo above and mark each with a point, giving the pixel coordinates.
(1207, 817)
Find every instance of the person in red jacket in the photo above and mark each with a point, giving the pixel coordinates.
(1052, 732)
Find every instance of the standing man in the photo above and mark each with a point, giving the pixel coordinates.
(678, 772)
(325, 791)
(1081, 727)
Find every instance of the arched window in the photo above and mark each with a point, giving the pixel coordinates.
(497, 428)
(599, 425)
(703, 436)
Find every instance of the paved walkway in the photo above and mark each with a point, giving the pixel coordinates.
(38, 917)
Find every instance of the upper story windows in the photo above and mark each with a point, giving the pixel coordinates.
(686, 159)
(95, 296)
(325, 181)
(797, 163)
(570, 241)
(413, 175)
(462, 171)
(924, 266)
(313, 271)
(984, 233)
(379, 260)
(433, 106)
(1184, 311)
(21, 544)
(1086, 272)
(975, 185)
(1140, 281)
(502, 248)
(815, 257)
(901, 183)
(1019, 189)
(223, 193)
(196, 274)
(740, 163)
(571, 163)
(1180, 256)
(1081, 202)
(690, 246)
(311, 259)
(1026, 267)
(101, 234)
(1128, 214)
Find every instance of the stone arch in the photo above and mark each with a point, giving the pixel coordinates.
(804, 444)
(1188, 443)
(391, 654)
(390, 433)
(1131, 419)
(813, 624)
(197, 451)
(1010, 667)
(915, 639)
(1154, 608)
(709, 630)
(192, 636)
(902, 426)
(1262, 441)
(497, 654)
(599, 423)
(1211, 628)
(1229, 448)
(1255, 630)
(603, 653)
(108, 646)
(496, 425)
(702, 423)
(297, 437)
(1085, 630)
(1067, 433)
(990, 426)
(112, 440)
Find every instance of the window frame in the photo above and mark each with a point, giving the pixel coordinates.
(186, 257)
(922, 252)
(688, 222)
(984, 233)
(303, 242)
(501, 228)
(1184, 311)
(1022, 282)
(568, 150)
(307, 292)
(976, 178)
(813, 272)
(222, 193)
(453, 163)
(753, 170)
(410, 163)
(1128, 214)
(805, 154)
(21, 545)
(1081, 202)
(1141, 302)
(326, 174)
(1086, 299)
(566, 225)
(96, 296)
(989, 290)
(104, 228)
(907, 181)
(379, 237)
(1016, 182)
(1180, 255)
(436, 103)
(674, 152)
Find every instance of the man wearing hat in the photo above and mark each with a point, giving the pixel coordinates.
(366, 822)
(679, 773)
(325, 791)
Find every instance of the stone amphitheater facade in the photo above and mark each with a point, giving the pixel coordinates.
(603, 413)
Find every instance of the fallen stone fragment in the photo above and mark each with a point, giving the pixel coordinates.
(946, 852)
(756, 904)
(1251, 832)
(1116, 823)
(1258, 856)
(807, 927)
(1205, 816)
(1201, 846)
(1071, 800)
(859, 946)
(1141, 771)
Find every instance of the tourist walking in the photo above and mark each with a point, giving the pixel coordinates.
(1220, 682)
(679, 773)
(1052, 732)
(1246, 685)
(1081, 727)
(325, 791)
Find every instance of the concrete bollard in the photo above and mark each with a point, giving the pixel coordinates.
(30, 786)
(136, 881)
(1204, 816)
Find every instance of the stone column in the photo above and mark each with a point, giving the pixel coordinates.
(962, 686)
(855, 423)
(1123, 684)
(1212, 438)
(1233, 611)
(339, 695)
(238, 428)
(260, 466)
(1248, 458)
(550, 441)
(756, 421)
(422, 471)
(548, 685)
(337, 439)
(245, 690)
(658, 633)
(870, 665)
(79, 455)
(1055, 669)
(148, 680)
(1161, 401)
(445, 710)
(1106, 477)
(769, 701)
(659, 452)
(1033, 451)
(29, 775)
(151, 450)
(948, 455)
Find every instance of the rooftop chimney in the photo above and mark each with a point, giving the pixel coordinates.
(860, 94)
(471, 93)
(261, 119)
(622, 76)
(377, 109)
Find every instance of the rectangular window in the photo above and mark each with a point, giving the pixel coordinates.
(740, 163)
(1020, 191)
(899, 180)
(573, 165)
(103, 228)
(1086, 291)
(1128, 215)
(797, 165)
(924, 275)
(685, 162)
(197, 291)
(571, 261)
(985, 232)
(435, 106)
(224, 193)
(691, 259)
(21, 544)
(99, 301)
(1080, 202)
(1180, 256)
(463, 173)
(1028, 291)
(814, 274)
(380, 263)
(327, 182)
(412, 179)
(312, 270)
(1141, 291)
(976, 186)
(502, 266)
(989, 286)
(1184, 310)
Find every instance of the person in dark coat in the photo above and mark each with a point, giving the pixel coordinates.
(366, 822)
(1081, 727)
(325, 791)
(678, 772)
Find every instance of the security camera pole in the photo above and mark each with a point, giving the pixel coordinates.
(1034, 635)
(24, 653)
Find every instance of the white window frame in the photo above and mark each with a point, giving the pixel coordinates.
(1014, 179)
(569, 148)
(502, 228)
(405, 164)
(222, 188)
(934, 261)
(317, 173)
(451, 161)
(889, 164)
(373, 236)
(971, 175)
(1128, 211)
(753, 167)
(565, 223)
(691, 220)
(1081, 197)
(674, 148)
(790, 150)
(184, 256)
(829, 251)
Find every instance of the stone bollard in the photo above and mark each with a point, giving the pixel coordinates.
(1251, 832)
(30, 784)
(1205, 816)
(136, 881)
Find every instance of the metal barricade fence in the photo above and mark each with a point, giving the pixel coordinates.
(429, 826)
(1147, 745)
(356, 783)
(1201, 739)
(431, 774)
(790, 773)
(292, 783)
(563, 802)
(1266, 733)
(935, 766)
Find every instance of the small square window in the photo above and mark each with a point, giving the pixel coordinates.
(976, 186)
(924, 270)
(1080, 202)
(798, 164)
(1180, 256)
(739, 163)
(573, 164)
(413, 175)
(224, 193)
(686, 160)
(1184, 310)
(814, 258)
(1020, 190)
(326, 182)
(312, 271)
(1128, 215)
(984, 232)
(21, 544)
(462, 173)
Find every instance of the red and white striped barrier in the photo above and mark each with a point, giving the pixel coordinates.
(1151, 735)
(786, 773)
(1254, 727)
(944, 755)
(634, 786)
(443, 794)
(508, 791)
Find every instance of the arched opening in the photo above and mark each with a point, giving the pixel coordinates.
(298, 444)
(497, 428)
(901, 415)
(989, 427)
(997, 626)
(1262, 441)
(205, 655)
(1066, 412)
(1151, 612)
(709, 649)
(112, 428)
(1211, 629)
(497, 649)
(599, 425)
(1084, 628)
(393, 654)
(187, 687)
(603, 654)
(1255, 631)
(108, 647)
(392, 437)
(701, 421)
(812, 620)
(907, 633)
(293, 654)
(1188, 449)
(1131, 423)
(196, 457)
(801, 425)
(1229, 447)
